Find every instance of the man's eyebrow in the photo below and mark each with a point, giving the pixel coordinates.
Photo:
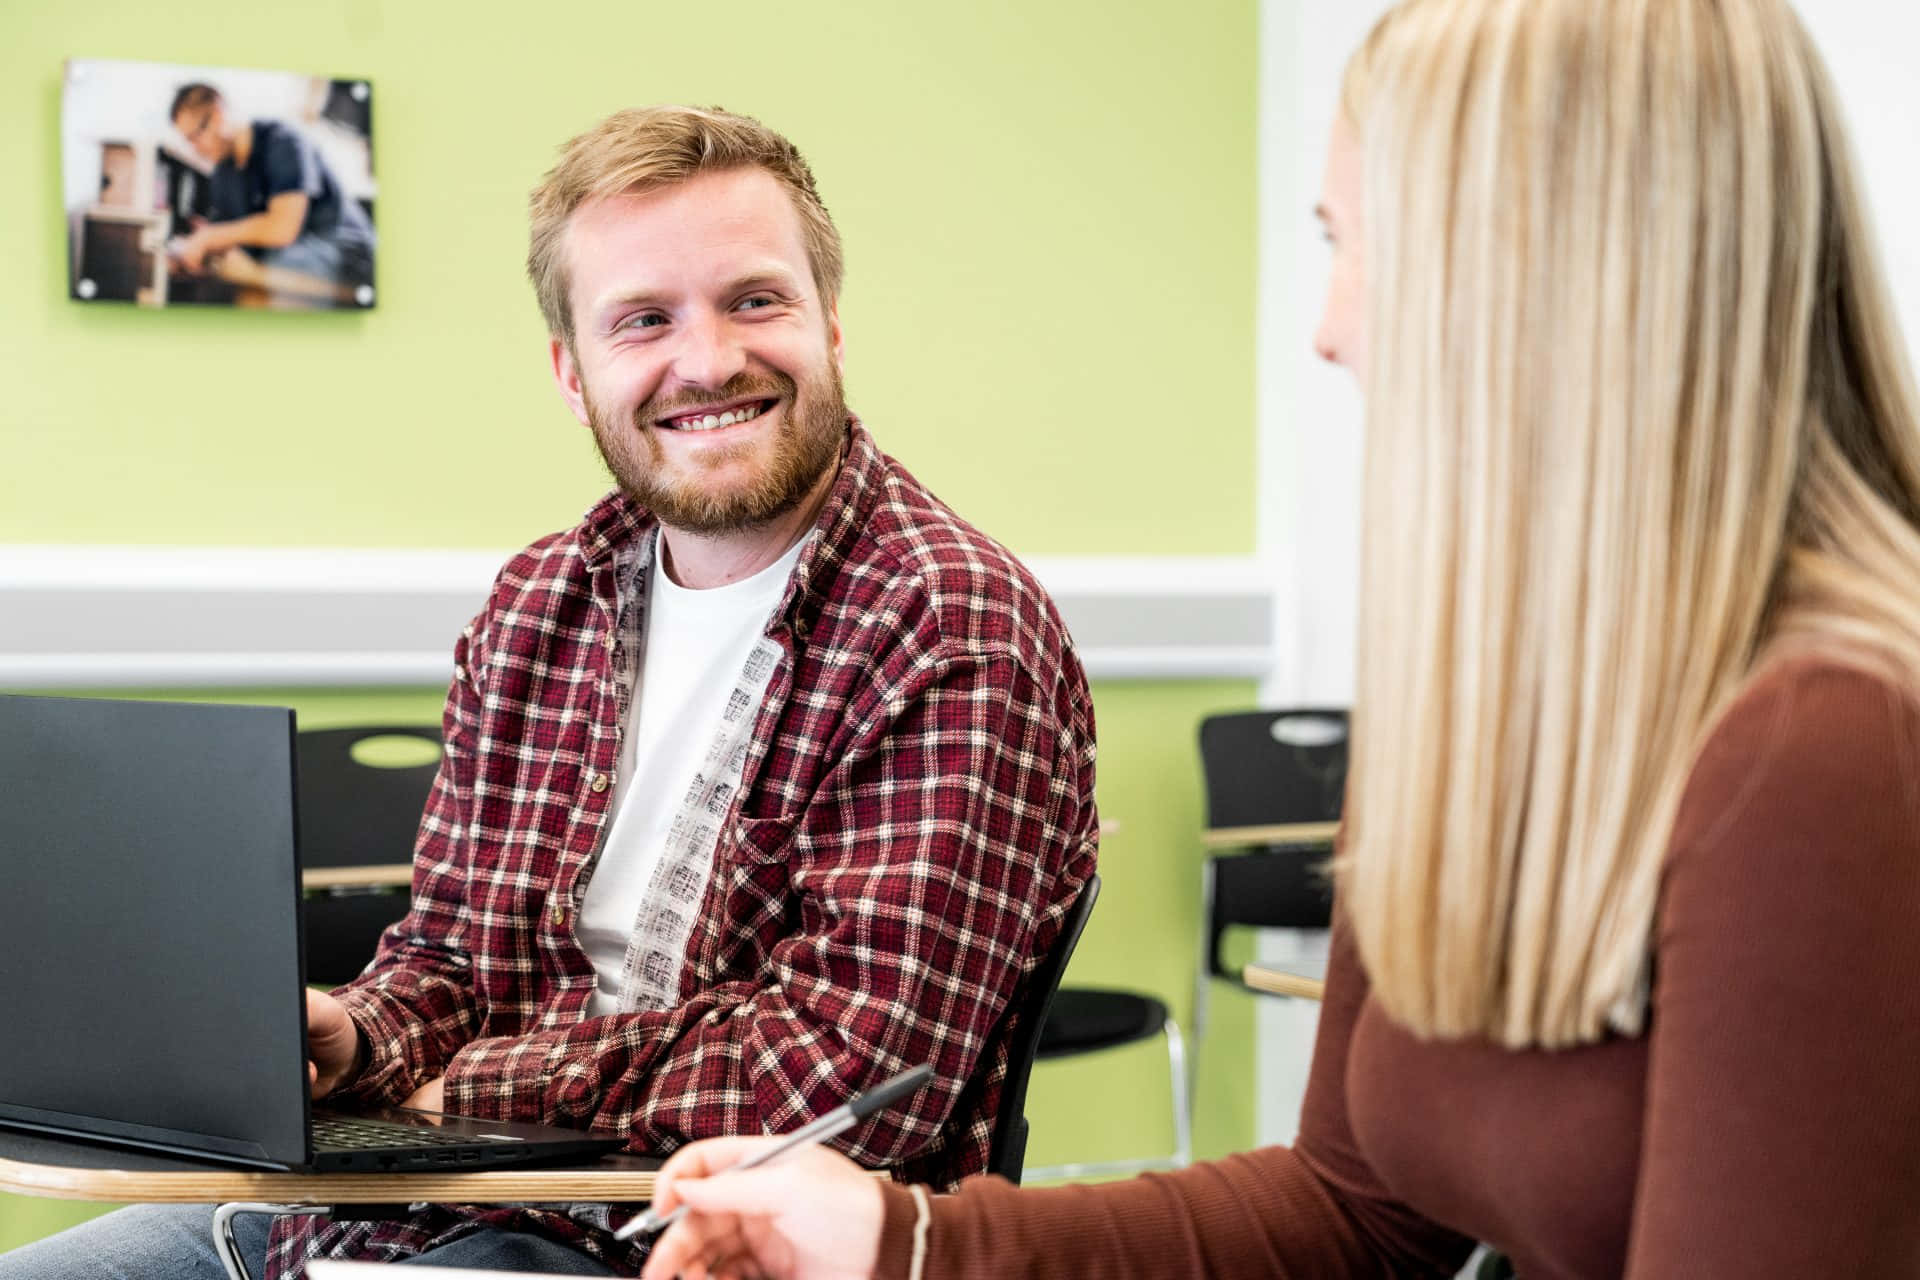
(761, 278)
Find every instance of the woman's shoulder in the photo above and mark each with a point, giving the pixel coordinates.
(1815, 757)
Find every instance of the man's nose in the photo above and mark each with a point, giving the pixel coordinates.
(709, 354)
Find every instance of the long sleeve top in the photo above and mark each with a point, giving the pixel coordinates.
(1767, 1123)
(915, 817)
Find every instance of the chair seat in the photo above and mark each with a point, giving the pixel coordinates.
(1084, 1019)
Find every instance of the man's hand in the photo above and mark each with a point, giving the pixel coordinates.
(431, 1096)
(190, 250)
(333, 1044)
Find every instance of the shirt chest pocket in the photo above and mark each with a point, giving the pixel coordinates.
(755, 894)
(764, 840)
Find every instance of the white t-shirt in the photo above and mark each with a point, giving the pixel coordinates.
(697, 644)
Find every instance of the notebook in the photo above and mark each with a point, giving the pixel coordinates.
(150, 951)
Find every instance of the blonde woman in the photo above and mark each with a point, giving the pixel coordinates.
(1626, 973)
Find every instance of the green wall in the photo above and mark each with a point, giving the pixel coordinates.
(1049, 216)
(1048, 210)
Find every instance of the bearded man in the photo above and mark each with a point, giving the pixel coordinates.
(769, 779)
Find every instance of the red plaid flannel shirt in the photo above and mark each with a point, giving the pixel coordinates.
(915, 817)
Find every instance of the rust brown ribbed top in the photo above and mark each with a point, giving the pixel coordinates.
(1767, 1124)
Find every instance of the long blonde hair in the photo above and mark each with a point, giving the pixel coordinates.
(1638, 414)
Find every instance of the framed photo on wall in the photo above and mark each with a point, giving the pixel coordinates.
(217, 185)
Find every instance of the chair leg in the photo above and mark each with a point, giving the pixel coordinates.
(1182, 1095)
(1182, 1125)
(228, 1248)
(1201, 994)
(1202, 983)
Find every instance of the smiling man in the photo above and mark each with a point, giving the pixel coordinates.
(769, 779)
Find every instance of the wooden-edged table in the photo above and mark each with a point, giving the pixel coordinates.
(1283, 982)
(71, 1169)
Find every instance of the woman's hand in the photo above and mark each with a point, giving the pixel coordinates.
(811, 1214)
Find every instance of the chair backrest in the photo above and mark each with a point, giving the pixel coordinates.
(354, 814)
(1267, 768)
(1007, 1154)
(1278, 887)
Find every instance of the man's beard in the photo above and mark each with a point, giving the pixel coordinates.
(807, 445)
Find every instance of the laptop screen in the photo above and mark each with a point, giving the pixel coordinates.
(149, 925)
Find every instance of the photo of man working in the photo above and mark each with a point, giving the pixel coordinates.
(271, 193)
(771, 778)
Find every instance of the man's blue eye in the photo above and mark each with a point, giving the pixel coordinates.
(648, 321)
(756, 302)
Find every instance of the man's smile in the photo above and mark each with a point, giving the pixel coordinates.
(713, 417)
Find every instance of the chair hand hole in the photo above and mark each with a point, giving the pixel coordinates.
(394, 751)
(1307, 731)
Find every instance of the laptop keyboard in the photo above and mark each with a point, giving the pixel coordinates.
(344, 1133)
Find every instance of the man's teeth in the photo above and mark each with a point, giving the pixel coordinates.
(713, 420)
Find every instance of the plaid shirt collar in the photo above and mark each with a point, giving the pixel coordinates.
(616, 525)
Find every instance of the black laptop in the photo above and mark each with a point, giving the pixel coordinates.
(150, 951)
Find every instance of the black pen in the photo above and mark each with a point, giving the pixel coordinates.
(839, 1120)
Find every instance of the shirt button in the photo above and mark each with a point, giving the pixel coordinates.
(559, 913)
(599, 782)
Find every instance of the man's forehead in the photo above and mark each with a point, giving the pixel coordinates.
(728, 202)
(726, 224)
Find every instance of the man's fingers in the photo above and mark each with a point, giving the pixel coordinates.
(431, 1096)
(333, 1041)
(324, 1013)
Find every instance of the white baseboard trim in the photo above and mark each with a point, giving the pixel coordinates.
(107, 617)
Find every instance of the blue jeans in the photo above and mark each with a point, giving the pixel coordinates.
(323, 257)
(175, 1242)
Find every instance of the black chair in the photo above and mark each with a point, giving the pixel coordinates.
(1266, 770)
(357, 827)
(1263, 768)
(1087, 1020)
(1007, 1154)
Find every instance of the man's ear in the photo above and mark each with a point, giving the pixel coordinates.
(836, 337)
(566, 376)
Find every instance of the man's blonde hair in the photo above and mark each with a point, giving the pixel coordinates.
(647, 148)
(1639, 421)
